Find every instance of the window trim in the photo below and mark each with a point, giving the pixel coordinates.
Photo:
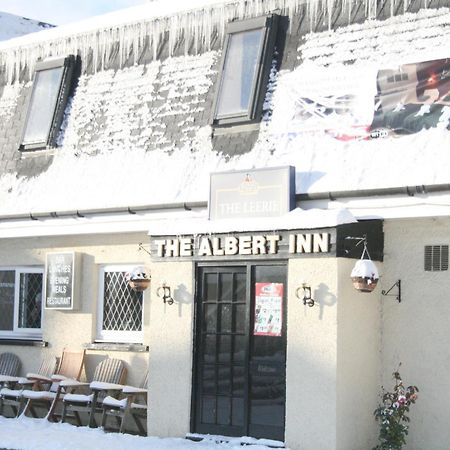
(68, 63)
(258, 90)
(127, 337)
(17, 332)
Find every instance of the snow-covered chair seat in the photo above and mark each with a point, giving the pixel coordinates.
(108, 378)
(13, 395)
(131, 404)
(46, 391)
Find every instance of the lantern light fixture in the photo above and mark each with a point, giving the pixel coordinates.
(165, 293)
(303, 293)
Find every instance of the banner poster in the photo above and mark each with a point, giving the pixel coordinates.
(352, 102)
(268, 309)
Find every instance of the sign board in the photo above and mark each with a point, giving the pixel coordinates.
(268, 309)
(282, 244)
(61, 272)
(268, 192)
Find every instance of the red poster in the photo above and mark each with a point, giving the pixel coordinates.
(268, 309)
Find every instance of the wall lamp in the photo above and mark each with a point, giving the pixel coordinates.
(303, 293)
(165, 293)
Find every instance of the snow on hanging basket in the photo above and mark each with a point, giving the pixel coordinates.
(365, 275)
(139, 278)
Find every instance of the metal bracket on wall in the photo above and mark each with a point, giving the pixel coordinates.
(398, 296)
(141, 247)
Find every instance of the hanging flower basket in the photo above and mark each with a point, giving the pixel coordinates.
(365, 275)
(138, 279)
(139, 285)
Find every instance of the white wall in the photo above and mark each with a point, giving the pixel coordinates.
(312, 356)
(72, 329)
(358, 362)
(416, 332)
(171, 344)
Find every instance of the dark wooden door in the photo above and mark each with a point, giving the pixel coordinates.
(240, 377)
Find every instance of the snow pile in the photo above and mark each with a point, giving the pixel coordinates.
(12, 26)
(8, 101)
(38, 434)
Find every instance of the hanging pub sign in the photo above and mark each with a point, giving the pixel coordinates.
(268, 309)
(61, 272)
(268, 192)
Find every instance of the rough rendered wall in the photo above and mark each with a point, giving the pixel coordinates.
(358, 362)
(312, 357)
(66, 329)
(416, 331)
(171, 344)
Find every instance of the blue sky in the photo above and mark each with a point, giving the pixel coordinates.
(59, 12)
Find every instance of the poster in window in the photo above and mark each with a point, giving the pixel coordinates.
(268, 309)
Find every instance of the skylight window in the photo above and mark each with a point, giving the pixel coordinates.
(49, 95)
(245, 70)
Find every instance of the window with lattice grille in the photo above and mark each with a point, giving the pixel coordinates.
(21, 291)
(120, 308)
(436, 258)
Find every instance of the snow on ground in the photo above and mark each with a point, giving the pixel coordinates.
(38, 434)
(12, 26)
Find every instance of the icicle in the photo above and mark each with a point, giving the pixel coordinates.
(197, 27)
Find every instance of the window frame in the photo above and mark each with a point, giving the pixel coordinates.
(68, 63)
(269, 24)
(17, 332)
(128, 337)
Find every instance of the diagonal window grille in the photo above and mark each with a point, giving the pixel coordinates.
(30, 300)
(122, 307)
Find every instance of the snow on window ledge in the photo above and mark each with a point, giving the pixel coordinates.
(114, 346)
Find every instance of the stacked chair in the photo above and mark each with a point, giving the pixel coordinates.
(108, 380)
(9, 368)
(47, 391)
(12, 396)
(132, 403)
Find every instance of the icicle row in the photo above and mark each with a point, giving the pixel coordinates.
(197, 28)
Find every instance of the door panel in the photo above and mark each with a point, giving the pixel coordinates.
(240, 377)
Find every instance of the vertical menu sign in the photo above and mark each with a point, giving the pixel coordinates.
(59, 280)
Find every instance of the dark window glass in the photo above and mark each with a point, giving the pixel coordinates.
(7, 281)
(223, 410)
(208, 409)
(30, 300)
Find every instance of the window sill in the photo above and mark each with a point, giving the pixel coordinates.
(220, 130)
(116, 347)
(23, 342)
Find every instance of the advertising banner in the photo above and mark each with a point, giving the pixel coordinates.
(353, 102)
(268, 309)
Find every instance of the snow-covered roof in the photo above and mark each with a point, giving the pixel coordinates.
(141, 134)
(12, 26)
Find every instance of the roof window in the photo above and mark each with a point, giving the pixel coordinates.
(51, 86)
(245, 70)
